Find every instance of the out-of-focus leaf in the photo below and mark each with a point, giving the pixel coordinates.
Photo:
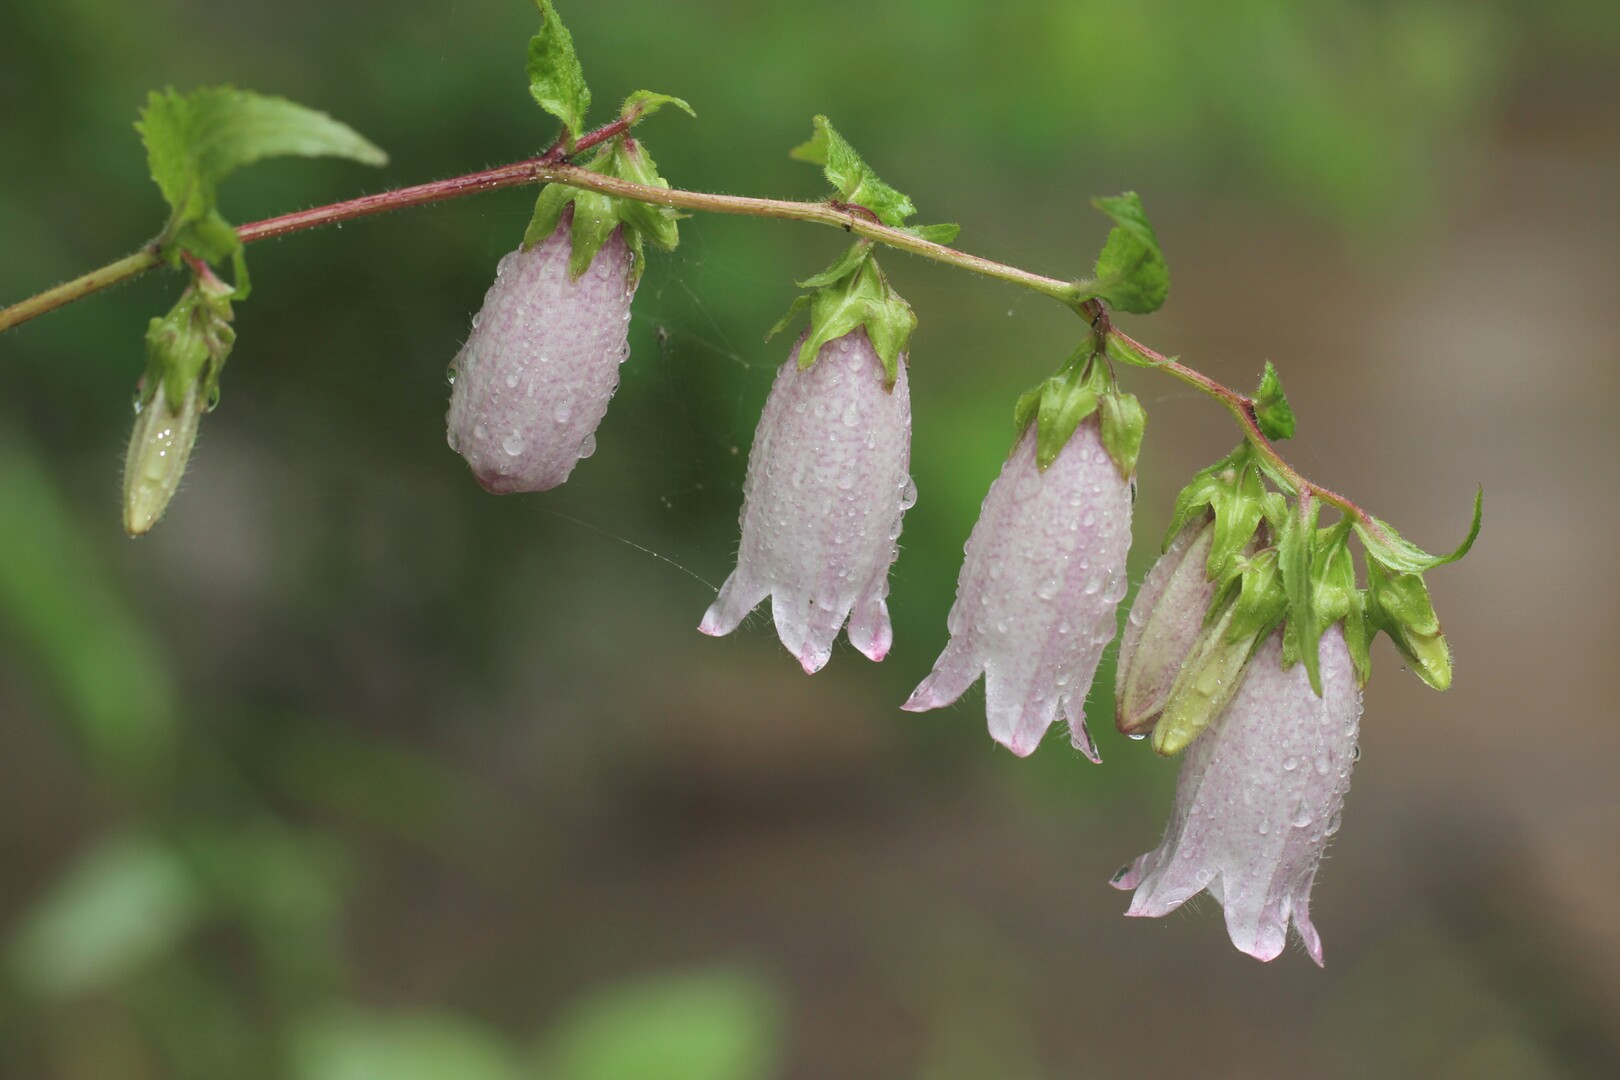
(126, 901)
(354, 1045)
(713, 1025)
(58, 599)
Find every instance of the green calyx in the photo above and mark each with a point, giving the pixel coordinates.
(850, 294)
(1131, 273)
(193, 141)
(597, 215)
(1082, 386)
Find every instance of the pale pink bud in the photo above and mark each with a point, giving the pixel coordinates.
(1258, 796)
(827, 485)
(1165, 621)
(1043, 573)
(535, 377)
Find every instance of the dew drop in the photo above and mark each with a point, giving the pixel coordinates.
(511, 380)
(587, 446)
(480, 432)
(1136, 736)
(1290, 764)
(564, 410)
(513, 444)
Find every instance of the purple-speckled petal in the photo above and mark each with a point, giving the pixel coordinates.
(1043, 573)
(1162, 628)
(542, 361)
(1259, 795)
(826, 488)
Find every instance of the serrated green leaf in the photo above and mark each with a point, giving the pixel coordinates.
(852, 179)
(193, 141)
(846, 263)
(643, 103)
(1387, 547)
(936, 234)
(1131, 273)
(1296, 559)
(1271, 408)
(555, 79)
(1123, 422)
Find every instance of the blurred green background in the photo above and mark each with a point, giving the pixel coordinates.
(352, 771)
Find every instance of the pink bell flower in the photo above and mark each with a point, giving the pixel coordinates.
(1043, 573)
(1258, 797)
(535, 376)
(827, 485)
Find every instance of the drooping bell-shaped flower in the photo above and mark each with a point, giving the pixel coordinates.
(827, 485)
(542, 362)
(1258, 797)
(1162, 627)
(1043, 573)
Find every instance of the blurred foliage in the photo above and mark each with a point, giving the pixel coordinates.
(337, 655)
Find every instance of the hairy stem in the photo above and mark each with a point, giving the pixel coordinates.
(553, 167)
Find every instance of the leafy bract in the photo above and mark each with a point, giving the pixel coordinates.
(193, 141)
(852, 179)
(555, 79)
(1131, 273)
(1271, 408)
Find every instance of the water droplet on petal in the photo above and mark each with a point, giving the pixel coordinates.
(513, 444)
(587, 446)
(564, 410)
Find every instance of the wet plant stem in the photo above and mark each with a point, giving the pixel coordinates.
(554, 167)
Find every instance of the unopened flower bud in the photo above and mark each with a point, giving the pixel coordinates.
(1163, 626)
(541, 364)
(157, 456)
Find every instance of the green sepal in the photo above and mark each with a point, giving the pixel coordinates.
(643, 103)
(1338, 599)
(1131, 273)
(1248, 608)
(1399, 604)
(1122, 352)
(193, 141)
(1386, 546)
(1232, 490)
(841, 267)
(1296, 558)
(853, 181)
(597, 215)
(1271, 409)
(556, 81)
(1123, 422)
(1059, 403)
(860, 298)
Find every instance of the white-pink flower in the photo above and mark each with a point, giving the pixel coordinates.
(1258, 797)
(827, 485)
(535, 377)
(1043, 573)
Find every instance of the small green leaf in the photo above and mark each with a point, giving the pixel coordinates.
(1131, 273)
(193, 141)
(1399, 605)
(1122, 352)
(123, 903)
(935, 234)
(1271, 407)
(706, 1025)
(555, 79)
(1123, 421)
(1058, 404)
(852, 179)
(643, 103)
(1296, 558)
(1386, 546)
